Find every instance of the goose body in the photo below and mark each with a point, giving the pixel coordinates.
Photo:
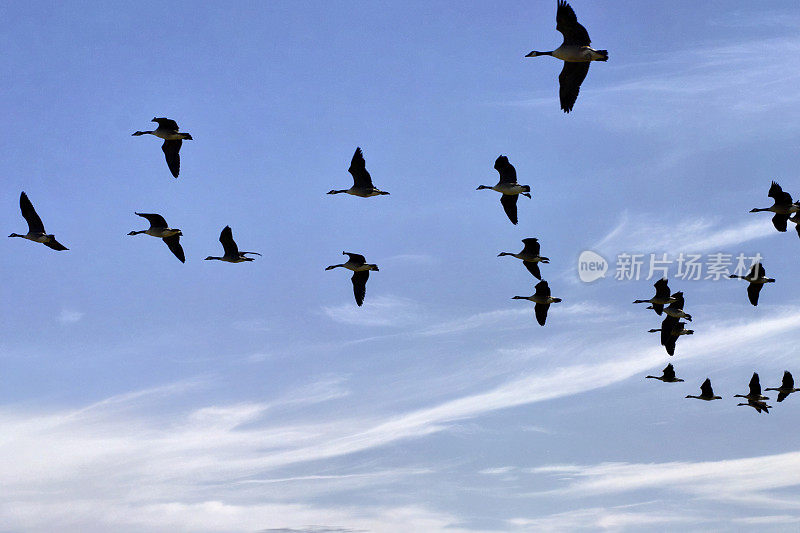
(231, 250)
(756, 278)
(671, 329)
(668, 375)
(530, 256)
(787, 386)
(542, 298)
(706, 392)
(576, 54)
(362, 181)
(661, 298)
(360, 268)
(508, 187)
(173, 140)
(159, 228)
(36, 232)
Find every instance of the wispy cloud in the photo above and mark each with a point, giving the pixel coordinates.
(378, 311)
(70, 316)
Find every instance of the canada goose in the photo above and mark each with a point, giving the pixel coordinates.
(530, 256)
(670, 330)
(232, 253)
(661, 298)
(576, 54)
(173, 139)
(787, 386)
(756, 281)
(755, 390)
(758, 405)
(362, 181)
(783, 206)
(706, 392)
(675, 309)
(36, 231)
(508, 186)
(358, 264)
(159, 228)
(668, 376)
(541, 297)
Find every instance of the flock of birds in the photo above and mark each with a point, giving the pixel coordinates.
(577, 55)
(674, 323)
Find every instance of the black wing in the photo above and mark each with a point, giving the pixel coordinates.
(533, 268)
(228, 244)
(541, 313)
(156, 220)
(359, 280)
(788, 380)
(532, 246)
(705, 388)
(662, 288)
(667, 325)
(567, 24)
(358, 169)
(355, 258)
(679, 302)
(669, 372)
(752, 292)
(35, 224)
(508, 174)
(670, 345)
(761, 272)
(166, 123)
(171, 153)
(542, 289)
(509, 202)
(569, 83)
(55, 245)
(174, 245)
(755, 386)
(782, 396)
(779, 221)
(780, 197)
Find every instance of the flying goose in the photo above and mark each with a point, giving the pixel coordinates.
(159, 228)
(508, 186)
(173, 139)
(358, 264)
(530, 256)
(670, 330)
(232, 253)
(661, 298)
(362, 181)
(576, 54)
(755, 390)
(756, 281)
(675, 309)
(795, 219)
(541, 297)
(758, 405)
(706, 392)
(668, 376)
(787, 386)
(783, 206)
(36, 231)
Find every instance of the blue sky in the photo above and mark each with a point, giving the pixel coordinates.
(139, 393)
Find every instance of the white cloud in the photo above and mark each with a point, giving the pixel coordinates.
(70, 316)
(378, 311)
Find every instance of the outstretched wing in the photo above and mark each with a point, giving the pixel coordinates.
(359, 280)
(532, 246)
(567, 24)
(166, 123)
(755, 386)
(35, 224)
(174, 245)
(669, 372)
(228, 244)
(156, 220)
(779, 221)
(509, 202)
(55, 245)
(508, 174)
(358, 169)
(542, 289)
(569, 83)
(753, 290)
(533, 268)
(788, 380)
(778, 194)
(705, 388)
(171, 153)
(355, 258)
(541, 313)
